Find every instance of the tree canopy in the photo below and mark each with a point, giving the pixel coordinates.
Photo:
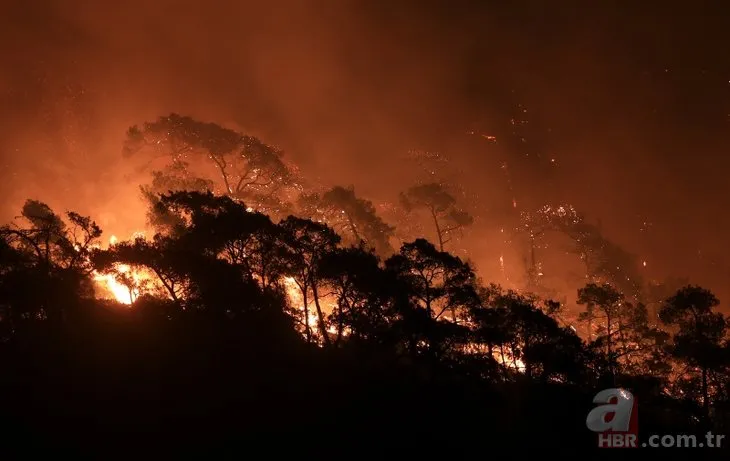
(262, 307)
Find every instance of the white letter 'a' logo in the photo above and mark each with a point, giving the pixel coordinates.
(621, 409)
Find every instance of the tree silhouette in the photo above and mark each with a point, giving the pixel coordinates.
(224, 227)
(700, 339)
(162, 256)
(622, 330)
(247, 168)
(342, 210)
(527, 338)
(52, 254)
(442, 208)
(605, 261)
(214, 329)
(363, 291)
(304, 244)
(437, 281)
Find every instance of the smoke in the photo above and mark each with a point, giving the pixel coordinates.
(347, 87)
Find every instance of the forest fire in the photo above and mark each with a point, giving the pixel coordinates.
(254, 175)
(121, 284)
(507, 359)
(359, 219)
(294, 295)
(125, 284)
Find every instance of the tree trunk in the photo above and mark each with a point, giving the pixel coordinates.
(438, 229)
(305, 306)
(340, 322)
(353, 229)
(609, 352)
(705, 396)
(320, 316)
(533, 264)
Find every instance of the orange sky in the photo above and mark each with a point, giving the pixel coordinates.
(636, 119)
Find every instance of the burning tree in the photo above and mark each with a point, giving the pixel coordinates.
(247, 169)
(304, 244)
(218, 256)
(161, 258)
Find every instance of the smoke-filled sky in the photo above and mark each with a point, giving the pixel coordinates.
(631, 99)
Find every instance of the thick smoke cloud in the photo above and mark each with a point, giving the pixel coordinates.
(347, 88)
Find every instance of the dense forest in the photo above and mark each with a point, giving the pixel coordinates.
(262, 305)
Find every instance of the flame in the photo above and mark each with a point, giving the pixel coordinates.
(121, 292)
(508, 360)
(328, 303)
(502, 355)
(123, 282)
(294, 294)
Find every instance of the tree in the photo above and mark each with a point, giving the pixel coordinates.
(163, 256)
(528, 338)
(623, 331)
(50, 239)
(699, 339)
(431, 284)
(225, 228)
(342, 210)
(247, 168)
(442, 208)
(437, 281)
(175, 177)
(603, 302)
(304, 244)
(363, 291)
(604, 260)
(54, 255)
(656, 292)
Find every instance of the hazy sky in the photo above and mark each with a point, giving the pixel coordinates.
(631, 101)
